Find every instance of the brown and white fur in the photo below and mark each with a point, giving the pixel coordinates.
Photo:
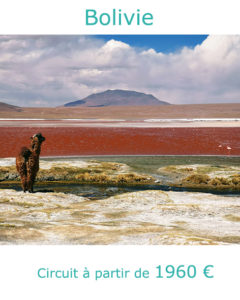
(27, 162)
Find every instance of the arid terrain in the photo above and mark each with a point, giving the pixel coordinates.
(121, 200)
(230, 110)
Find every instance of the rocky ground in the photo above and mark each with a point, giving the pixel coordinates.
(109, 213)
(143, 217)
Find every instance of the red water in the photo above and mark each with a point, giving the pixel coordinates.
(123, 141)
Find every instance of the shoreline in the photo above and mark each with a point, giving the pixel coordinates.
(111, 123)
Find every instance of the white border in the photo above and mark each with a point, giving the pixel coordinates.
(170, 17)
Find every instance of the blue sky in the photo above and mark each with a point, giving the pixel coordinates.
(160, 43)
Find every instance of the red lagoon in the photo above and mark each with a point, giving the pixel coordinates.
(68, 141)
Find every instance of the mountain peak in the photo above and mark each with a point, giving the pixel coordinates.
(117, 98)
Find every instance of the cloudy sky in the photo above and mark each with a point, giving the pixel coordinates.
(53, 70)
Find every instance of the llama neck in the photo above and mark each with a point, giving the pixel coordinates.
(36, 148)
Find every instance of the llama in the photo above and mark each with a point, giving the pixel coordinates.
(27, 162)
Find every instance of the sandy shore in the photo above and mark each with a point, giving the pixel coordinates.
(147, 123)
(216, 110)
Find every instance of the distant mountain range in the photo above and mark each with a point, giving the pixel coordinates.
(117, 98)
(8, 107)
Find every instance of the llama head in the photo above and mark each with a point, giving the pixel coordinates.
(37, 139)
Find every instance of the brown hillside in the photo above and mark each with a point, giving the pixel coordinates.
(4, 107)
(230, 110)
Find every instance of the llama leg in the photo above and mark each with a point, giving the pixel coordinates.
(24, 183)
(23, 175)
(30, 182)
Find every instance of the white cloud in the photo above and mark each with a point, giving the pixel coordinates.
(52, 70)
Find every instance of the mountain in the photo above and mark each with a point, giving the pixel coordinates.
(117, 98)
(8, 107)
